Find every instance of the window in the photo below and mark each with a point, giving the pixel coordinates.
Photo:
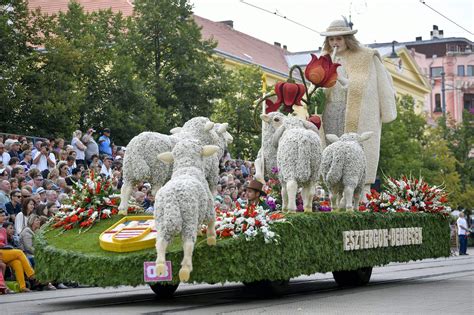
(437, 108)
(469, 102)
(436, 71)
(460, 71)
(470, 71)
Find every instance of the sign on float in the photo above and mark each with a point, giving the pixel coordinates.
(377, 238)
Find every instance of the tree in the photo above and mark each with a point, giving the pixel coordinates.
(177, 67)
(17, 60)
(237, 108)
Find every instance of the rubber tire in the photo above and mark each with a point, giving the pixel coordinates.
(353, 278)
(164, 291)
(268, 288)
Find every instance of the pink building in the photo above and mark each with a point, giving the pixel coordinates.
(453, 59)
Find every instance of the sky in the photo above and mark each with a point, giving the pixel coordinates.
(376, 21)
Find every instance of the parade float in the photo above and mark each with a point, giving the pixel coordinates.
(89, 242)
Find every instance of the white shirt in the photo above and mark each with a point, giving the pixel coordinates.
(5, 158)
(20, 223)
(80, 154)
(105, 171)
(461, 222)
(43, 161)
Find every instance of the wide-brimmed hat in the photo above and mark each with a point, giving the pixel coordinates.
(256, 185)
(338, 28)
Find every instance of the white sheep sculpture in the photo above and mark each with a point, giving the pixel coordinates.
(220, 137)
(141, 161)
(184, 203)
(343, 169)
(298, 159)
(267, 155)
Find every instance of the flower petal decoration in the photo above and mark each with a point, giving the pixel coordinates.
(270, 106)
(289, 93)
(322, 72)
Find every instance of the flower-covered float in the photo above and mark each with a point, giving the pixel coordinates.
(405, 222)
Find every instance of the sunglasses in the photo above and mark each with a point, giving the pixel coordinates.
(26, 196)
(17, 196)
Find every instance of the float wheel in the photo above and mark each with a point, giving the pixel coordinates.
(352, 278)
(164, 291)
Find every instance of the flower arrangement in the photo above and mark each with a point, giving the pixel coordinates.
(248, 222)
(407, 195)
(91, 201)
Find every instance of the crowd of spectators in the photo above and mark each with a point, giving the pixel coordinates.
(36, 178)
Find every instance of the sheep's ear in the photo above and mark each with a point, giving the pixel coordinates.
(166, 157)
(222, 128)
(209, 150)
(332, 138)
(265, 118)
(229, 139)
(176, 130)
(365, 136)
(208, 126)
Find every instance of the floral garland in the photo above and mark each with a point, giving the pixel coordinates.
(91, 201)
(407, 195)
(248, 222)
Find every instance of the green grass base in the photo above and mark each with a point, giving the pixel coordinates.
(309, 243)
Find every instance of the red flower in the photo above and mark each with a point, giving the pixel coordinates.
(289, 94)
(276, 216)
(97, 188)
(270, 106)
(74, 218)
(321, 72)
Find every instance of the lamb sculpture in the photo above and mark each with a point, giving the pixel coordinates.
(184, 203)
(141, 161)
(343, 169)
(267, 155)
(298, 160)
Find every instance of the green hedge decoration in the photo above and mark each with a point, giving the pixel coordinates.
(309, 243)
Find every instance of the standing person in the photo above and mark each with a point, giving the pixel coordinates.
(254, 192)
(92, 148)
(105, 145)
(44, 159)
(79, 148)
(463, 232)
(363, 98)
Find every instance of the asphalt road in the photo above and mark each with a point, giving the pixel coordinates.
(434, 286)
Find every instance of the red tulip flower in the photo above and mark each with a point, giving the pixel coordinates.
(289, 93)
(321, 72)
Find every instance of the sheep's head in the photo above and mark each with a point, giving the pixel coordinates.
(350, 136)
(195, 124)
(273, 119)
(222, 132)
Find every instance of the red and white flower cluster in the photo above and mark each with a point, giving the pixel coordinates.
(407, 195)
(249, 223)
(91, 202)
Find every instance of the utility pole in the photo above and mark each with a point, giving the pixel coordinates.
(443, 93)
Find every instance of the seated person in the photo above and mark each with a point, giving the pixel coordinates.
(15, 258)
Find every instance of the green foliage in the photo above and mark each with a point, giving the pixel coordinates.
(309, 243)
(237, 109)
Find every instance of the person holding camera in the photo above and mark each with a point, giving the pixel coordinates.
(44, 159)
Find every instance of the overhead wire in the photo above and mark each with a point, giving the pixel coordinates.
(447, 18)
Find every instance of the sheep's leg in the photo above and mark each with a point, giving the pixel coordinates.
(306, 194)
(125, 193)
(211, 233)
(334, 200)
(348, 198)
(259, 171)
(292, 189)
(161, 245)
(187, 263)
(284, 197)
